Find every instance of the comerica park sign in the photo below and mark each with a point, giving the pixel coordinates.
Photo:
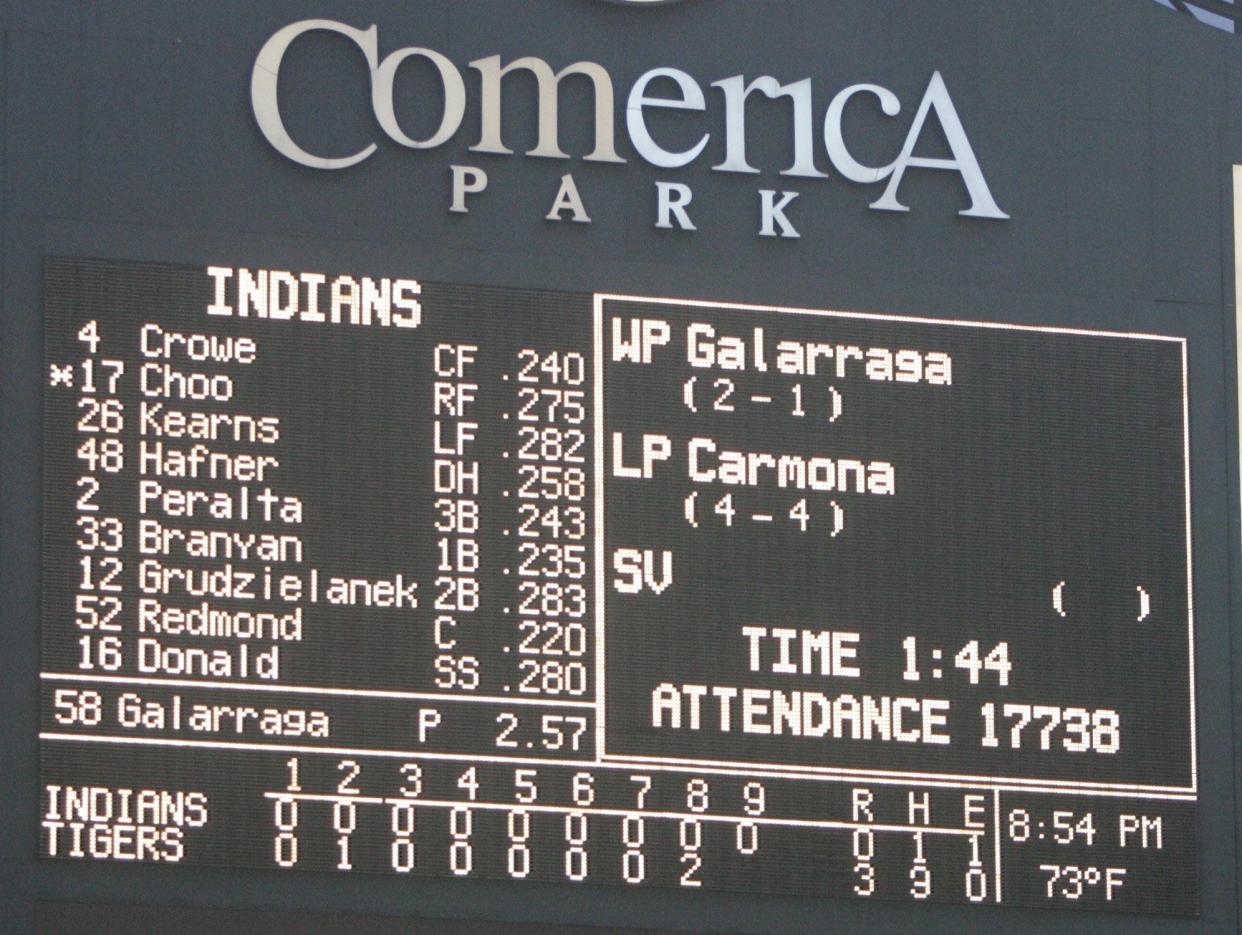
(659, 89)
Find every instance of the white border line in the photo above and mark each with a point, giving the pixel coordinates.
(1190, 570)
(1001, 785)
(1017, 782)
(996, 842)
(601, 297)
(600, 578)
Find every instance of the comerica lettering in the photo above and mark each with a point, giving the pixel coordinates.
(657, 90)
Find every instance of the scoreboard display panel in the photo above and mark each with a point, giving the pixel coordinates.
(708, 465)
(349, 574)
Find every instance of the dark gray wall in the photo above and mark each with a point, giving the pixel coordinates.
(1106, 129)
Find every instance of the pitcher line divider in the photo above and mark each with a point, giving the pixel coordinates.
(629, 813)
(312, 690)
(757, 771)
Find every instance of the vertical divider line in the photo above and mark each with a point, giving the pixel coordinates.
(1190, 570)
(598, 393)
(996, 841)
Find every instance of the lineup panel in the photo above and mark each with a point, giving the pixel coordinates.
(352, 573)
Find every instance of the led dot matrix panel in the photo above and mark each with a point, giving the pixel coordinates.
(360, 574)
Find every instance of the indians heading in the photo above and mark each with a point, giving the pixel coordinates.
(658, 91)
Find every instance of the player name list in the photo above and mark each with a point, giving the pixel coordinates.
(348, 573)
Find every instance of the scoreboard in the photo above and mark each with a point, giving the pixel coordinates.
(349, 574)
